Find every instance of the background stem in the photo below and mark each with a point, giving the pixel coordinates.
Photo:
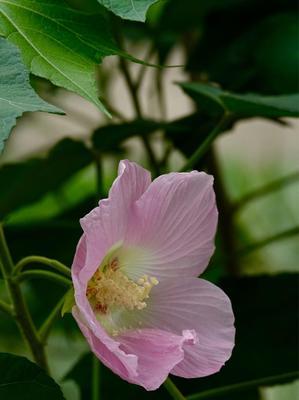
(96, 379)
(21, 312)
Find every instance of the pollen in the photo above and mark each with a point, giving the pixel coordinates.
(110, 287)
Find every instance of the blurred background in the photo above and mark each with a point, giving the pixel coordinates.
(55, 168)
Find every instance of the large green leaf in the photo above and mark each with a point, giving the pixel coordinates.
(22, 379)
(16, 94)
(129, 9)
(58, 43)
(216, 101)
(25, 182)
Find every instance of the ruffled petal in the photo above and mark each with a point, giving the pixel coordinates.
(157, 352)
(194, 304)
(176, 222)
(144, 357)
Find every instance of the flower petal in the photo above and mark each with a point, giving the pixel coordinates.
(194, 304)
(108, 223)
(123, 364)
(144, 356)
(158, 352)
(176, 222)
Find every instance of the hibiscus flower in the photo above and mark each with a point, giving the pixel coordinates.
(139, 301)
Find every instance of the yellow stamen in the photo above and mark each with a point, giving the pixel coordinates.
(110, 287)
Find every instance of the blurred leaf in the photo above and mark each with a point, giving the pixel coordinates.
(129, 9)
(189, 132)
(109, 138)
(22, 379)
(249, 46)
(16, 94)
(276, 54)
(216, 101)
(25, 182)
(59, 43)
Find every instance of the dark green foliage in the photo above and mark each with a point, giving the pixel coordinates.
(22, 379)
(25, 182)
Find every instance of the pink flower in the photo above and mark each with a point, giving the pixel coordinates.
(139, 303)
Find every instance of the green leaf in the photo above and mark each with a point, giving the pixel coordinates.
(109, 138)
(216, 101)
(59, 43)
(22, 379)
(25, 182)
(129, 9)
(16, 94)
(69, 302)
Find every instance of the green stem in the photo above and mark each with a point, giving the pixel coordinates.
(133, 90)
(204, 147)
(46, 327)
(54, 264)
(39, 273)
(267, 189)
(173, 390)
(264, 242)
(96, 384)
(239, 387)
(21, 312)
(6, 308)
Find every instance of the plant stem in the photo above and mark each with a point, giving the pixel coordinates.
(40, 273)
(6, 308)
(133, 90)
(96, 379)
(56, 265)
(226, 223)
(46, 327)
(204, 147)
(239, 387)
(264, 242)
(173, 390)
(21, 312)
(99, 173)
(267, 189)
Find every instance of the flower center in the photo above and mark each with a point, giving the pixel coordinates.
(111, 288)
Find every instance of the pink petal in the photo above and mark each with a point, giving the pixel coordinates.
(144, 356)
(194, 304)
(158, 352)
(108, 223)
(176, 220)
(97, 337)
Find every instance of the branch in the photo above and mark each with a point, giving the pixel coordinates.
(56, 265)
(40, 273)
(264, 242)
(204, 147)
(267, 189)
(239, 387)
